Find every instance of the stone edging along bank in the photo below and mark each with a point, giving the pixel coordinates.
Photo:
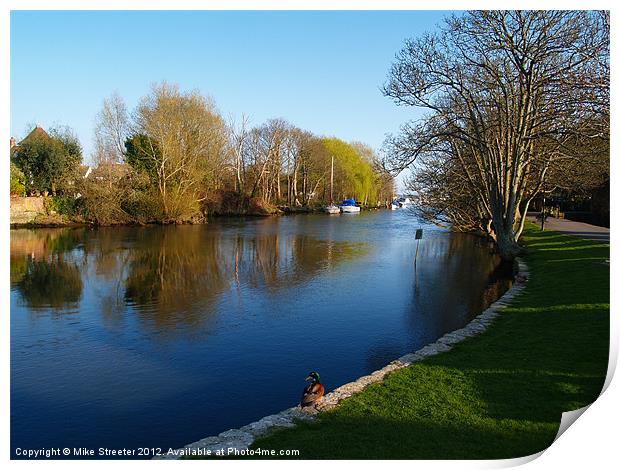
(240, 439)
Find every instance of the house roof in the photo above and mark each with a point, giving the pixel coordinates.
(36, 133)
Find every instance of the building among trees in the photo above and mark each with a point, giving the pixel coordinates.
(49, 162)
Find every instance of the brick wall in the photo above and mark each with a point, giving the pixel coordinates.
(25, 209)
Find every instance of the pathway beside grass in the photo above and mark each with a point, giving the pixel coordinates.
(571, 227)
(497, 395)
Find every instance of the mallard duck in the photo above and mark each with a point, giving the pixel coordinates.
(313, 391)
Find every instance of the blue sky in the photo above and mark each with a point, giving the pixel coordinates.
(320, 70)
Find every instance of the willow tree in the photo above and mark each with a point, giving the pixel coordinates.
(383, 184)
(506, 94)
(183, 143)
(354, 175)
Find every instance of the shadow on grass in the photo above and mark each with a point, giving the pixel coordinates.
(352, 438)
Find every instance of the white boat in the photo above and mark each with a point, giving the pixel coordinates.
(394, 205)
(331, 209)
(348, 206)
(403, 202)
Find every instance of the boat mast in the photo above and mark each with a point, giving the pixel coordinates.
(331, 185)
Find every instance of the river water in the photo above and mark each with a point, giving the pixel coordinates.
(128, 337)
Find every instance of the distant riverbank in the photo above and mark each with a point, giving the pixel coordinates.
(48, 212)
(39, 212)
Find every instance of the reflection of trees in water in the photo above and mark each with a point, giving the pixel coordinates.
(51, 283)
(42, 271)
(18, 269)
(176, 274)
(499, 281)
(472, 275)
(258, 259)
(107, 256)
(281, 261)
(457, 276)
(477, 268)
(39, 245)
(170, 275)
(104, 247)
(173, 274)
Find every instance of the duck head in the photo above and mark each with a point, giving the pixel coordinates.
(313, 376)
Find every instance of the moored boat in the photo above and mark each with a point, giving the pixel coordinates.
(349, 206)
(331, 209)
(403, 202)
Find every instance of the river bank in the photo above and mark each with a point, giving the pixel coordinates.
(47, 212)
(38, 212)
(499, 395)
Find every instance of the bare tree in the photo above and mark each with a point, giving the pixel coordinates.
(186, 139)
(238, 147)
(506, 92)
(266, 146)
(111, 130)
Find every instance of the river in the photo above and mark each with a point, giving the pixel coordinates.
(127, 337)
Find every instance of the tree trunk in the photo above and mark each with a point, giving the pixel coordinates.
(304, 186)
(295, 185)
(507, 245)
(522, 219)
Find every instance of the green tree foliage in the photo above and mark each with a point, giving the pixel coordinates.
(54, 283)
(49, 162)
(18, 181)
(65, 205)
(353, 175)
(141, 153)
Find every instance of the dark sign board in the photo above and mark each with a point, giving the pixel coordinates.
(418, 234)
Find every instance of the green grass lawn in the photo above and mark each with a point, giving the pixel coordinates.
(498, 395)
